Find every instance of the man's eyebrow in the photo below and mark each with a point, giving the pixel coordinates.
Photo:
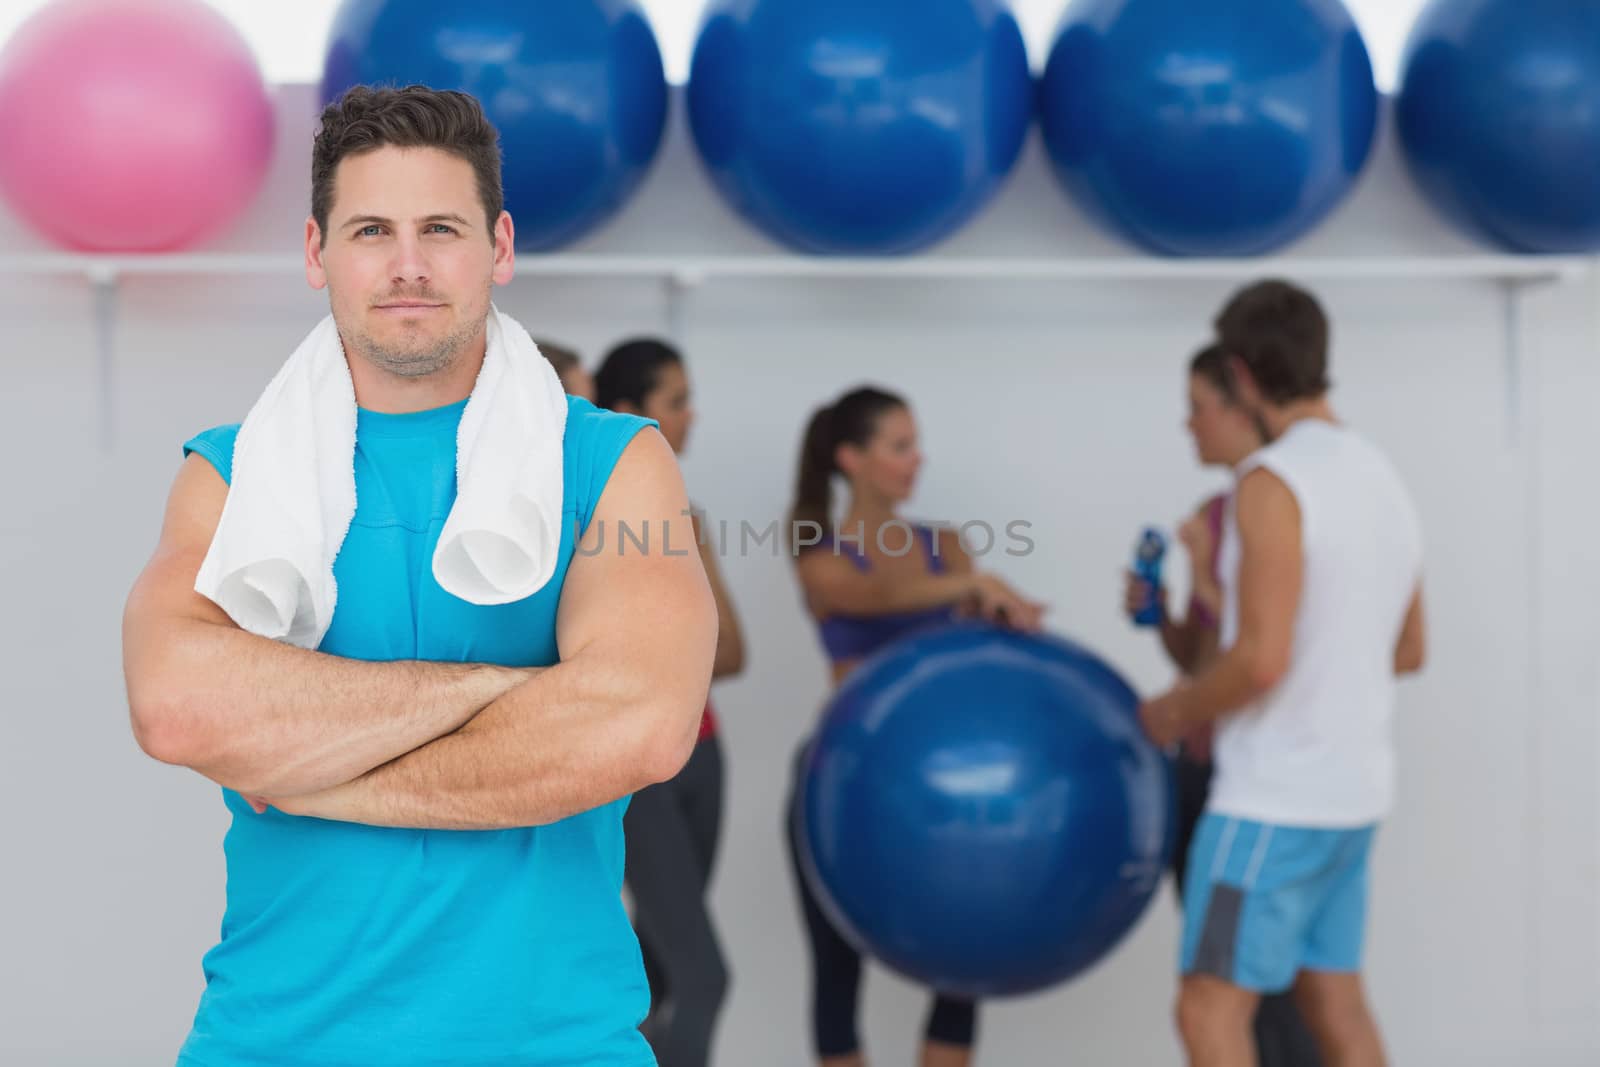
(363, 220)
(369, 220)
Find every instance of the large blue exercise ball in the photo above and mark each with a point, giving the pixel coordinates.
(859, 126)
(980, 810)
(575, 88)
(1499, 118)
(1216, 128)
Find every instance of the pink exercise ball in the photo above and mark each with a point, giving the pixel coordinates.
(131, 125)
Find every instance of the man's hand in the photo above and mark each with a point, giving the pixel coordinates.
(287, 805)
(1163, 718)
(335, 803)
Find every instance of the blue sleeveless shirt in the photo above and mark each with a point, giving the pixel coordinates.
(344, 944)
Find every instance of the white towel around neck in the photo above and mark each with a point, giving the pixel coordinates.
(293, 492)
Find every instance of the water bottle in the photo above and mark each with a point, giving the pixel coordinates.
(1147, 568)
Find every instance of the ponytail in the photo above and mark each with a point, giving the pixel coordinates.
(813, 488)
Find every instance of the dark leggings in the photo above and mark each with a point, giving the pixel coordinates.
(1282, 1037)
(672, 831)
(836, 968)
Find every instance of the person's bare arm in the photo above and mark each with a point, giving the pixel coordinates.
(957, 560)
(637, 632)
(991, 598)
(1188, 642)
(1411, 651)
(834, 586)
(730, 638)
(1271, 573)
(1199, 627)
(256, 715)
(1204, 645)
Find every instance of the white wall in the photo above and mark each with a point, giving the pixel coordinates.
(1052, 402)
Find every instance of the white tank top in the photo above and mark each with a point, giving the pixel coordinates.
(1316, 750)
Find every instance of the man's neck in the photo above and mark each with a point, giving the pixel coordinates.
(1278, 420)
(384, 391)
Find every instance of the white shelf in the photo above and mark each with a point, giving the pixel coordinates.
(690, 269)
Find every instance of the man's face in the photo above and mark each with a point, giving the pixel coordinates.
(407, 259)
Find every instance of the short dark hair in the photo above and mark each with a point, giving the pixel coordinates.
(365, 119)
(563, 360)
(632, 370)
(1280, 333)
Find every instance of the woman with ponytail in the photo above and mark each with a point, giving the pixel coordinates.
(1225, 435)
(672, 829)
(869, 579)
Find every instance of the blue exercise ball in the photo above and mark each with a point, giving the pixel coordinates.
(1499, 119)
(1222, 128)
(575, 88)
(859, 126)
(980, 810)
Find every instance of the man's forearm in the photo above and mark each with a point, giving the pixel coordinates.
(273, 720)
(1228, 685)
(637, 634)
(556, 746)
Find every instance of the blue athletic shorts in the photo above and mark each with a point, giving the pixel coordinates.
(1264, 902)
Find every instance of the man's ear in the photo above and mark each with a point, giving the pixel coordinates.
(505, 245)
(316, 273)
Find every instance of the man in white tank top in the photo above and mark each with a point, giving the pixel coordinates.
(1322, 562)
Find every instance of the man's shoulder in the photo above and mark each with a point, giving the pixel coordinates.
(585, 421)
(216, 446)
(594, 441)
(597, 434)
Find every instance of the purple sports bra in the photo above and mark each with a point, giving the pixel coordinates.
(853, 636)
